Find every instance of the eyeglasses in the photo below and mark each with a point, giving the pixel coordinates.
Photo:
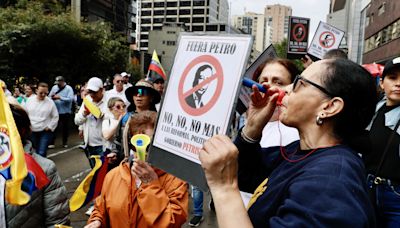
(322, 89)
(119, 81)
(141, 92)
(119, 107)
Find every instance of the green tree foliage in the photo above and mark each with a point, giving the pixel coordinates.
(281, 50)
(42, 41)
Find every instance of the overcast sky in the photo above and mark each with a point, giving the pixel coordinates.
(316, 10)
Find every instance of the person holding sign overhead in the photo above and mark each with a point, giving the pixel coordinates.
(136, 194)
(318, 181)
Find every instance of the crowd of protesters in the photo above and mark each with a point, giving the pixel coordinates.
(328, 156)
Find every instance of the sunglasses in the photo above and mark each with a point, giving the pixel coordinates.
(322, 89)
(119, 107)
(141, 92)
(119, 81)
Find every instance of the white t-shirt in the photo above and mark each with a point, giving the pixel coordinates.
(114, 93)
(42, 113)
(109, 122)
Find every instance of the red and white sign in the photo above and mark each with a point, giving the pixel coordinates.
(201, 92)
(325, 38)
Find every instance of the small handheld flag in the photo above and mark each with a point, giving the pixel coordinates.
(155, 66)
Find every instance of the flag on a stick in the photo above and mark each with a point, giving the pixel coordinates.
(155, 66)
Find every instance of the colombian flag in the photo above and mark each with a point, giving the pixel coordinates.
(91, 186)
(22, 172)
(155, 66)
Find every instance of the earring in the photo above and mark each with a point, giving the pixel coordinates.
(319, 121)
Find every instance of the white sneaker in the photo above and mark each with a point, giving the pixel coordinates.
(89, 211)
(51, 146)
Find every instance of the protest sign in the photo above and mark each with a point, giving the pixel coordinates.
(325, 38)
(297, 37)
(244, 96)
(199, 101)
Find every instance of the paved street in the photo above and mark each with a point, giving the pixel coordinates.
(73, 166)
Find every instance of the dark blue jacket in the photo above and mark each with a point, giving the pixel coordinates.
(326, 189)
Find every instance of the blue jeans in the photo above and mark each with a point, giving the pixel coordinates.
(197, 195)
(40, 141)
(388, 203)
(93, 150)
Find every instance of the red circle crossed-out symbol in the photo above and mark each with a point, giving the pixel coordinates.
(297, 36)
(219, 76)
(327, 39)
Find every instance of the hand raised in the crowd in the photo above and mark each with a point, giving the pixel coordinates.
(94, 224)
(143, 171)
(219, 160)
(261, 108)
(86, 111)
(112, 157)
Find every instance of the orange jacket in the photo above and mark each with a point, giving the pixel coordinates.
(160, 203)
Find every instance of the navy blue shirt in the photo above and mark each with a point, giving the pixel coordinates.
(326, 189)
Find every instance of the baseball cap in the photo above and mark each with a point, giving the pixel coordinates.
(94, 84)
(59, 78)
(124, 74)
(390, 65)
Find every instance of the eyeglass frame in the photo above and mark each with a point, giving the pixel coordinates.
(322, 89)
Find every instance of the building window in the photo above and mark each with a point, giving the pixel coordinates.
(198, 19)
(381, 9)
(184, 3)
(199, 2)
(146, 21)
(184, 12)
(171, 19)
(172, 4)
(184, 20)
(170, 43)
(146, 13)
(212, 28)
(172, 12)
(197, 28)
(146, 5)
(198, 11)
(158, 4)
(171, 32)
(144, 36)
(158, 20)
(158, 12)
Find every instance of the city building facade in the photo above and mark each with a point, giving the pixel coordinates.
(278, 15)
(382, 31)
(197, 16)
(256, 25)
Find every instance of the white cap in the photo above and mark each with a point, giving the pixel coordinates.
(94, 84)
(124, 74)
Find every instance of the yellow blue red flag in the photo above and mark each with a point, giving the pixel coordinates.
(91, 186)
(155, 66)
(12, 155)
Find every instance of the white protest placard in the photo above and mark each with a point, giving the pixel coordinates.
(199, 102)
(201, 92)
(325, 38)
